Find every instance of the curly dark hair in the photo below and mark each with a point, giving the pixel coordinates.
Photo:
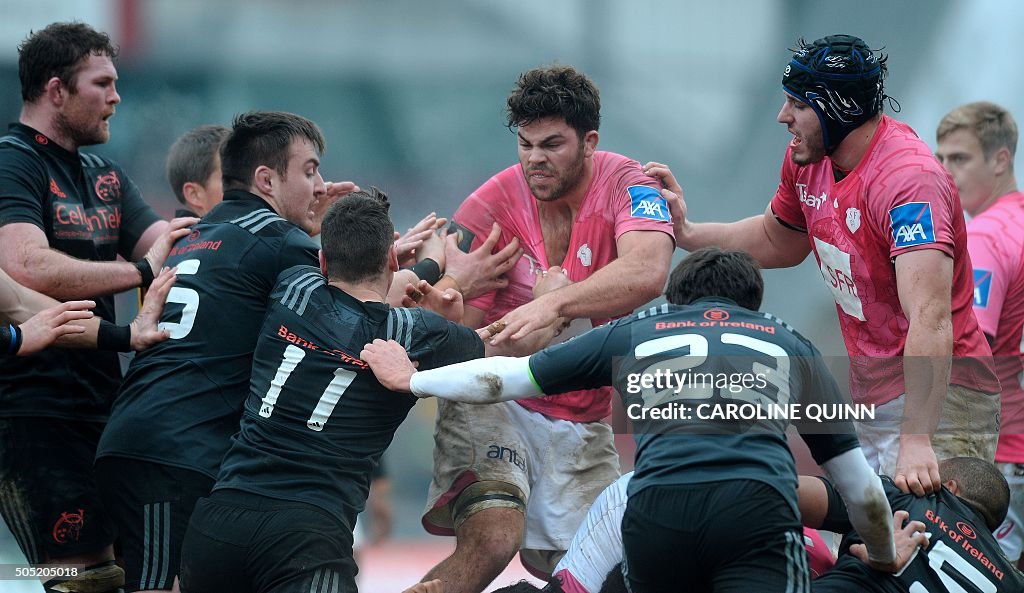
(58, 50)
(555, 91)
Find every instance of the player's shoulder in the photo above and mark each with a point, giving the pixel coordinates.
(11, 145)
(507, 186)
(784, 329)
(419, 328)
(293, 274)
(257, 219)
(1006, 213)
(17, 153)
(415, 324)
(615, 171)
(899, 154)
(615, 160)
(91, 160)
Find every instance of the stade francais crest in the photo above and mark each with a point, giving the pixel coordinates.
(853, 219)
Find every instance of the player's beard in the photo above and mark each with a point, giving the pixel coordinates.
(565, 182)
(812, 149)
(79, 132)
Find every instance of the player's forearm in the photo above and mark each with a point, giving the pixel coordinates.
(479, 381)
(65, 278)
(866, 503)
(86, 339)
(748, 234)
(614, 290)
(926, 364)
(18, 303)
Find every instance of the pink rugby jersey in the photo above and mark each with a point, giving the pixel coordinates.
(995, 239)
(896, 200)
(620, 199)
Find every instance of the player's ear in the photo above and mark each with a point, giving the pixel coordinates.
(1004, 160)
(54, 90)
(263, 180)
(590, 143)
(323, 263)
(190, 191)
(952, 486)
(393, 257)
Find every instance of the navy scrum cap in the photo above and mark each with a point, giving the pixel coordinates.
(840, 77)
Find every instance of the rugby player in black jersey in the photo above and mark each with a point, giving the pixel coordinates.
(712, 505)
(181, 400)
(316, 420)
(65, 217)
(961, 556)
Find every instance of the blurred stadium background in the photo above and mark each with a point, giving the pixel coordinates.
(410, 95)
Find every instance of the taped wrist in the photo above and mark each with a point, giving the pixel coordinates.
(428, 270)
(146, 271)
(115, 338)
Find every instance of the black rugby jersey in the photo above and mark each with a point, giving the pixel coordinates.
(317, 420)
(91, 210)
(961, 556)
(182, 398)
(720, 356)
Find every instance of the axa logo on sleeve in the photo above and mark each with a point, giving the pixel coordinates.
(982, 285)
(646, 202)
(912, 224)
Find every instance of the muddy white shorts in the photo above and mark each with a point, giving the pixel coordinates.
(969, 427)
(558, 467)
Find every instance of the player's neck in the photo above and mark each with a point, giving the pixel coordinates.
(39, 120)
(853, 148)
(371, 291)
(1007, 185)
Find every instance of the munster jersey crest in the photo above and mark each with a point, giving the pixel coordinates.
(108, 187)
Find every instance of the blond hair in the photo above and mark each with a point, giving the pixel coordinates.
(991, 124)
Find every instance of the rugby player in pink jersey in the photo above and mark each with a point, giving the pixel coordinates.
(863, 193)
(976, 144)
(520, 476)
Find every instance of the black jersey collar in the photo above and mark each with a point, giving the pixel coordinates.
(375, 308)
(245, 196)
(41, 142)
(714, 299)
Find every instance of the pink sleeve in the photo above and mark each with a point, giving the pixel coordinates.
(786, 203)
(914, 210)
(991, 273)
(569, 582)
(638, 203)
(819, 555)
(474, 216)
